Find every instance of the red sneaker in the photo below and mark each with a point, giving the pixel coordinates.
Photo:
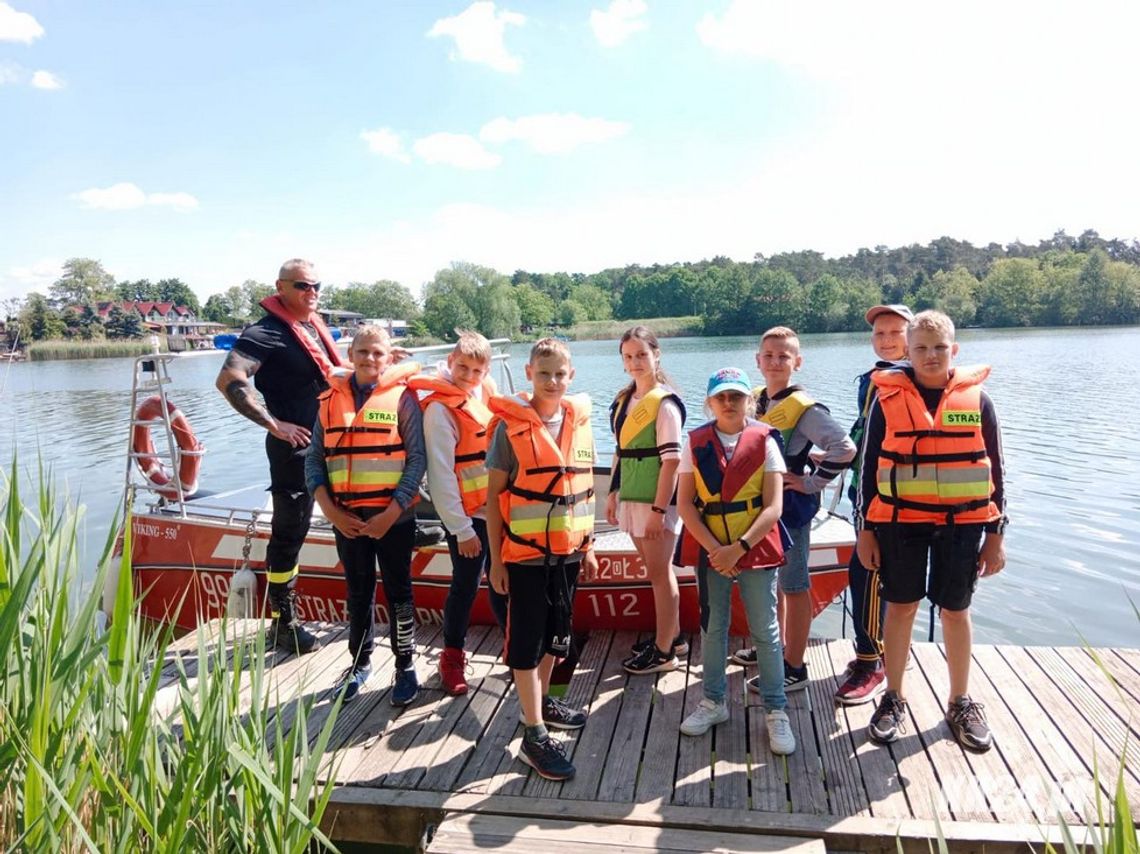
(453, 671)
(861, 686)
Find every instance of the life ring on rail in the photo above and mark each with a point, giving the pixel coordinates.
(143, 447)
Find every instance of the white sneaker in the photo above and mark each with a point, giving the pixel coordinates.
(781, 741)
(707, 715)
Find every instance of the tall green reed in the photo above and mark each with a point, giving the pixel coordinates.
(102, 748)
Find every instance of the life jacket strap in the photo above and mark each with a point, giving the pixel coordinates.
(723, 507)
(332, 451)
(548, 498)
(476, 456)
(909, 459)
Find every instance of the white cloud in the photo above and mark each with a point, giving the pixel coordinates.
(455, 149)
(21, 280)
(46, 80)
(387, 143)
(128, 196)
(478, 33)
(10, 72)
(622, 19)
(553, 133)
(18, 26)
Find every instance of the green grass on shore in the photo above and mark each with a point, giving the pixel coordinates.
(107, 743)
(43, 351)
(663, 327)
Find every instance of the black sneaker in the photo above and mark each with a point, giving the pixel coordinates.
(547, 757)
(352, 680)
(968, 724)
(888, 720)
(795, 678)
(557, 714)
(680, 646)
(744, 657)
(650, 660)
(405, 687)
(292, 637)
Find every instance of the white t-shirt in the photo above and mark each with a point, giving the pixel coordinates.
(773, 459)
(633, 515)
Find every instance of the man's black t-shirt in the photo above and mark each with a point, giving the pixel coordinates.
(288, 379)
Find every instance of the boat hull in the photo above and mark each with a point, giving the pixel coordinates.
(183, 565)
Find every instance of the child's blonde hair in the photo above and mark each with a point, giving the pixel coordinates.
(932, 320)
(544, 347)
(472, 345)
(784, 333)
(373, 331)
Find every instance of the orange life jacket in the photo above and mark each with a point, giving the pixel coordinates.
(730, 494)
(548, 510)
(933, 468)
(326, 361)
(364, 454)
(471, 419)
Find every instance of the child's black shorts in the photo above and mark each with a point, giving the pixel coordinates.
(539, 608)
(951, 551)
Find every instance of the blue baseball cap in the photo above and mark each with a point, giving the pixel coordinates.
(729, 379)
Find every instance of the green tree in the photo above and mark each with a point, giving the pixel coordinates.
(536, 309)
(85, 323)
(470, 296)
(571, 313)
(1011, 294)
(39, 320)
(826, 305)
(123, 324)
(381, 299)
(594, 300)
(951, 292)
(139, 290)
(177, 292)
(218, 309)
(83, 281)
(252, 293)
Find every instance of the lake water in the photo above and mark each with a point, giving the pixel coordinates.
(1067, 399)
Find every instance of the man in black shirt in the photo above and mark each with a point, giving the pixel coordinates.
(288, 354)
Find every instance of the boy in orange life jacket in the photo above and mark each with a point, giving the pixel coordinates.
(540, 523)
(364, 468)
(456, 419)
(931, 488)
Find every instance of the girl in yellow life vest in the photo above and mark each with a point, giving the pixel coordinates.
(364, 469)
(647, 417)
(730, 496)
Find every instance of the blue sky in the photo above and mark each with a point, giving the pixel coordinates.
(210, 141)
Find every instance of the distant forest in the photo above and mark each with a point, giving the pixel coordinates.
(1062, 281)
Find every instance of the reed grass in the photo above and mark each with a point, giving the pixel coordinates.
(43, 351)
(96, 752)
(663, 327)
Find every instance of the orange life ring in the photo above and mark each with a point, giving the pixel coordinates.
(149, 463)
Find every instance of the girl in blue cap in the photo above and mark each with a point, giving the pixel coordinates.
(730, 496)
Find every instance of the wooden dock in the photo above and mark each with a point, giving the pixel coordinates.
(450, 763)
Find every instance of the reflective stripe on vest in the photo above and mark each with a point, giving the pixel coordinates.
(472, 418)
(364, 454)
(730, 493)
(932, 467)
(639, 455)
(548, 509)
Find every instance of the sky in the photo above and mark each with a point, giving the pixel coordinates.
(211, 141)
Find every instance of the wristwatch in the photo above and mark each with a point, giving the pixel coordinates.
(744, 544)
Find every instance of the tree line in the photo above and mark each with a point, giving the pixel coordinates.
(1060, 281)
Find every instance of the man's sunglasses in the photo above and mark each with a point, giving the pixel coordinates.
(308, 286)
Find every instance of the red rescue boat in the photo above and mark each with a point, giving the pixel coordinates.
(197, 558)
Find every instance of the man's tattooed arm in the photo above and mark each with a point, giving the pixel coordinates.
(233, 383)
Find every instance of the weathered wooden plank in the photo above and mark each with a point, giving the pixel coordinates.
(1130, 657)
(474, 833)
(659, 758)
(371, 815)
(844, 785)
(805, 766)
(421, 753)
(489, 682)
(886, 788)
(1118, 743)
(994, 790)
(1045, 724)
(1123, 676)
(582, 694)
(1112, 688)
(693, 783)
(730, 741)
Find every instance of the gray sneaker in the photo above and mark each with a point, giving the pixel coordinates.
(705, 716)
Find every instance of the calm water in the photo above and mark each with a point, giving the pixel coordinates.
(1067, 399)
